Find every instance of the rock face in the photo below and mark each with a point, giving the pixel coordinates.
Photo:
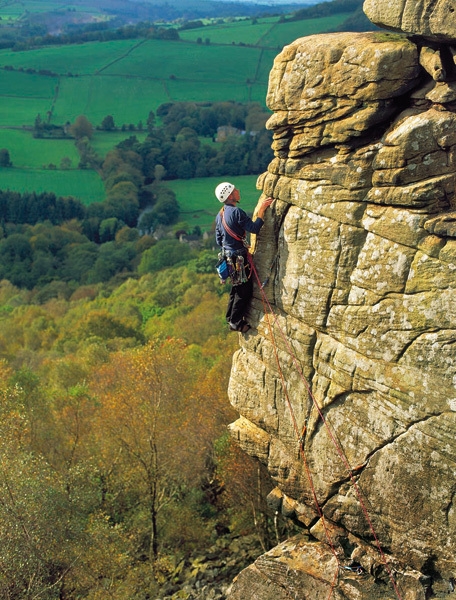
(347, 390)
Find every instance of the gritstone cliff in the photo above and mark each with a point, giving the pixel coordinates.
(361, 252)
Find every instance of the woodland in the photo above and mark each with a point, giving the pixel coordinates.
(116, 464)
(114, 357)
(47, 240)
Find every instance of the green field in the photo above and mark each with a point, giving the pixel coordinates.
(179, 92)
(265, 64)
(78, 59)
(30, 156)
(231, 32)
(18, 84)
(297, 29)
(127, 100)
(188, 61)
(16, 112)
(198, 203)
(85, 185)
(268, 32)
(29, 152)
(137, 80)
(127, 79)
(11, 10)
(31, 6)
(104, 141)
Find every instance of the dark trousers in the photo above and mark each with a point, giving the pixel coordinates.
(238, 302)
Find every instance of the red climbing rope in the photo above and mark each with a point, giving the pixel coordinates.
(332, 436)
(303, 456)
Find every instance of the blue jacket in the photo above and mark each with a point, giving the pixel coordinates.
(239, 222)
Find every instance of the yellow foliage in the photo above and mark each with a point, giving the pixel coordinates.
(116, 425)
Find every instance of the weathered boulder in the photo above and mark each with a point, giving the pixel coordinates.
(300, 568)
(347, 390)
(432, 19)
(328, 89)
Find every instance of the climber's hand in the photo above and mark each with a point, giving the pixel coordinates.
(264, 205)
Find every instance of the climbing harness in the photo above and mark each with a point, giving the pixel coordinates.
(300, 435)
(232, 267)
(233, 263)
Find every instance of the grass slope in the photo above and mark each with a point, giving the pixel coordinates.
(236, 32)
(192, 62)
(78, 59)
(296, 29)
(128, 78)
(267, 32)
(29, 152)
(85, 185)
(17, 84)
(127, 100)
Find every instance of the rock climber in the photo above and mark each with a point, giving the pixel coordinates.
(231, 225)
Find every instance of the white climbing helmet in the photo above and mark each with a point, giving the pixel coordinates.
(223, 191)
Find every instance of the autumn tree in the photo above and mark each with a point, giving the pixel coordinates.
(246, 484)
(148, 456)
(81, 128)
(34, 557)
(57, 541)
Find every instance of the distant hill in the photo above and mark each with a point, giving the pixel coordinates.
(26, 22)
(323, 9)
(54, 15)
(357, 21)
